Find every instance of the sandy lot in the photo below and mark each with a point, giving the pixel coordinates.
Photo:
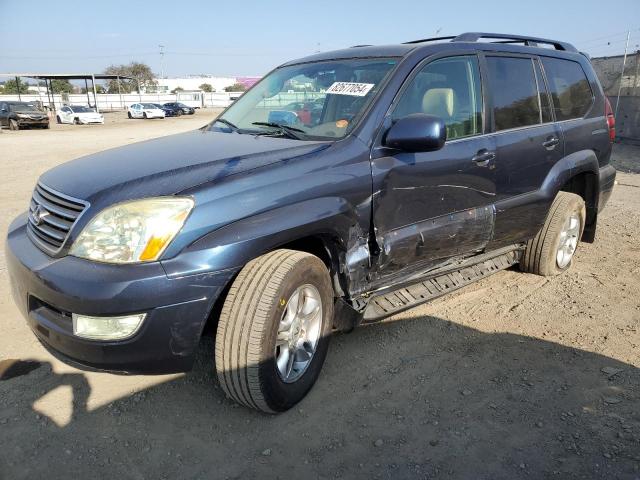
(517, 376)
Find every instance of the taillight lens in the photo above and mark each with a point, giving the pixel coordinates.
(611, 121)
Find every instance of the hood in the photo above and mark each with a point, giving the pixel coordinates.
(169, 165)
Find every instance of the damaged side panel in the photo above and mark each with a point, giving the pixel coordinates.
(430, 242)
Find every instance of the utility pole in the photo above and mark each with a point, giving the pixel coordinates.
(161, 61)
(624, 64)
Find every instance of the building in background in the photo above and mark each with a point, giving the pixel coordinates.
(627, 84)
(193, 83)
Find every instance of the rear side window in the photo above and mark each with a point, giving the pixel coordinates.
(570, 89)
(515, 92)
(450, 89)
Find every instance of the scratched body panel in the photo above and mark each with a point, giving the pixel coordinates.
(431, 206)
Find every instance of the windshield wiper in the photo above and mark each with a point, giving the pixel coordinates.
(227, 123)
(291, 132)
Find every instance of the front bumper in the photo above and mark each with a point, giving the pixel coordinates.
(47, 290)
(30, 122)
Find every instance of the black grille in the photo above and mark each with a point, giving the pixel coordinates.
(51, 216)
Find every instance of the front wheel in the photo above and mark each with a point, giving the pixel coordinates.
(551, 251)
(274, 330)
(144, 115)
(13, 124)
(129, 115)
(58, 119)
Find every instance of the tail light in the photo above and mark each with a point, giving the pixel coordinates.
(611, 121)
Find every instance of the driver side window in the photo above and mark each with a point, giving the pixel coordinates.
(448, 88)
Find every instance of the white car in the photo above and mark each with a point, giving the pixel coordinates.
(78, 114)
(145, 110)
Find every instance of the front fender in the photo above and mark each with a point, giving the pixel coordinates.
(232, 246)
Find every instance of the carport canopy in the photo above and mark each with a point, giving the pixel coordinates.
(49, 77)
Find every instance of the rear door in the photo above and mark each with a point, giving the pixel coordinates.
(528, 144)
(431, 206)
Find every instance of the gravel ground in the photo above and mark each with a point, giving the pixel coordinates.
(516, 376)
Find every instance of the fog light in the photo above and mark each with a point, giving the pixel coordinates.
(106, 328)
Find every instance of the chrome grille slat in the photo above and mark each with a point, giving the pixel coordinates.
(51, 217)
(59, 201)
(52, 207)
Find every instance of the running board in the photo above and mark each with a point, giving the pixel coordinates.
(404, 298)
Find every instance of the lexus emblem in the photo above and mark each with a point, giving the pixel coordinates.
(38, 214)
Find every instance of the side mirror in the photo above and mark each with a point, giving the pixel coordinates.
(417, 132)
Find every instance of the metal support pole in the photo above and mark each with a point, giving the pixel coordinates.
(120, 93)
(86, 89)
(53, 94)
(95, 95)
(624, 63)
(18, 87)
(139, 91)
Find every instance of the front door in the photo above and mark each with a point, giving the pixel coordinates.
(432, 206)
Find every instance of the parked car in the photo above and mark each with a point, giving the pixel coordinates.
(433, 164)
(78, 114)
(168, 112)
(308, 112)
(17, 115)
(181, 107)
(145, 110)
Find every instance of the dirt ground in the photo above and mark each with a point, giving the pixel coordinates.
(516, 376)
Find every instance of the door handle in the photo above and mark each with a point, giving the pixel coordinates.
(551, 143)
(483, 158)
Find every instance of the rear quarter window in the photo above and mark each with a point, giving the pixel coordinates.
(569, 86)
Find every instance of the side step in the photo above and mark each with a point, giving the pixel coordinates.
(404, 298)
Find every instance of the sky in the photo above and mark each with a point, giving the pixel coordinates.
(250, 37)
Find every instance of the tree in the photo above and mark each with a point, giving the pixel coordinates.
(14, 86)
(177, 89)
(206, 87)
(236, 87)
(61, 86)
(140, 72)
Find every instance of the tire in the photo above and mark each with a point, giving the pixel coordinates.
(129, 115)
(541, 255)
(58, 119)
(144, 115)
(249, 323)
(179, 113)
(47, 126)
(76, 121)
(13, 125)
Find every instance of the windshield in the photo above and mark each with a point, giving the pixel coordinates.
(148, 105)
(317, 100)
(23, 107)
(81, 109)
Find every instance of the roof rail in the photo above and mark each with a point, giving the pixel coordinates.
(528, 41)
(432, 39)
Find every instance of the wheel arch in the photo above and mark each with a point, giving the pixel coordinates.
(578, 173)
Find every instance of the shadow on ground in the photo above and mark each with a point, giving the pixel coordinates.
(421, 398)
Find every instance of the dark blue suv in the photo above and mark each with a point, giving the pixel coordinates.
(424, 167)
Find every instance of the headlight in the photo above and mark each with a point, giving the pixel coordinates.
(137, 231)
(22, 115)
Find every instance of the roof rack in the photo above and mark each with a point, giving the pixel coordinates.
(432, 39)
(504, 38)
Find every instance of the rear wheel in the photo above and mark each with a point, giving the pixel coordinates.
(274, 330)
(551, 251)
(13, 124)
